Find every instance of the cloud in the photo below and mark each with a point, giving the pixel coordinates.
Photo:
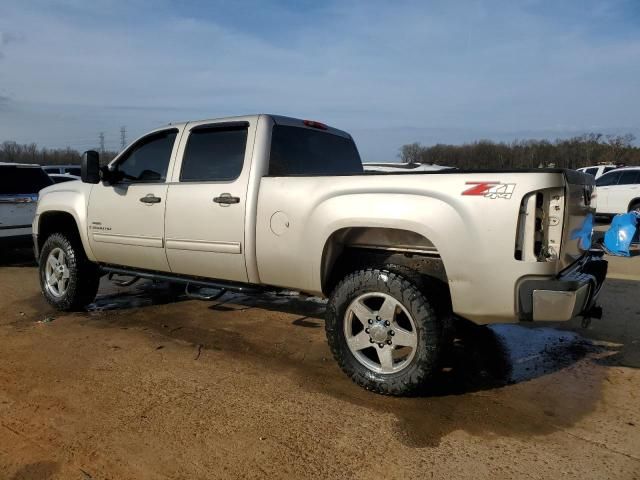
(489, 67)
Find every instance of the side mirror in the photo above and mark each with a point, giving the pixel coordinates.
(90, 167)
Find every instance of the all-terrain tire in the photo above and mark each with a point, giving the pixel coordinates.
(83, 275)
(415, 376)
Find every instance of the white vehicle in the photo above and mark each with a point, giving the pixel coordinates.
(267, 202)
(597, 170)
(62, 169)
(401, 167)
(618, 191)
(19, 187)
(63, 177)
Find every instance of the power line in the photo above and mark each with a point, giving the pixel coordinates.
(123, 136)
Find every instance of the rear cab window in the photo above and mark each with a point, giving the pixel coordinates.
(309, 151)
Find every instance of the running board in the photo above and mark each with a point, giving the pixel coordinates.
(194, 281)
(199, 296)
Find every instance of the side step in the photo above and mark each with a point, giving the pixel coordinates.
(196, 295)
(195, 282)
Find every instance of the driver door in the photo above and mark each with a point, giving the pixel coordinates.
(126, 218)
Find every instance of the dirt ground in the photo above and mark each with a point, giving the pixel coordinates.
(142, 388)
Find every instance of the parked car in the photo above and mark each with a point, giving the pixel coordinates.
(266, 202)
(597, 170)
(618, 191)
(403, 167)
(63, 169)
(63, 177)
(19, 187)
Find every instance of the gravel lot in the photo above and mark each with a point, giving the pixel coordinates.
(139, 388)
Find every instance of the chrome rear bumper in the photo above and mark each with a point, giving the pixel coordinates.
(572, 293)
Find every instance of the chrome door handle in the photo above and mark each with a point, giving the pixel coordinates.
(150, 198)
(226, 199)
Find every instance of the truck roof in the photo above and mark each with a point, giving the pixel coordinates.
(278, 119)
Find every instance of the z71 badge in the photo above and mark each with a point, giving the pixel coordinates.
(491, 190)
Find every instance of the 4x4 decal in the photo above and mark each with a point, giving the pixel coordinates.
(491, 190)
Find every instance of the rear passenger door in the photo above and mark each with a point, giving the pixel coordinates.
(206, 206)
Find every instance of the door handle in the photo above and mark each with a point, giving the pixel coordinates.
(226, 199)
(150, 198)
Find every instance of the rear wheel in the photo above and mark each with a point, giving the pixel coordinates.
(69, 281)
(384, 332)
(635, 206)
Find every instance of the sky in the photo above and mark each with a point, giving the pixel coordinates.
(390, 73)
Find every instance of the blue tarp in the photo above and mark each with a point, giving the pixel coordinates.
(620, 234)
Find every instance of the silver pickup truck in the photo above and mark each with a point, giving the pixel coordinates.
(263, 202)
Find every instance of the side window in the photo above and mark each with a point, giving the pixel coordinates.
(591, 171)
(148, 160)
(608, 179)
(608, 169)
(214, 154)
(628, 177)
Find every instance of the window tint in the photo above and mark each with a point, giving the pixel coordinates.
(608, 169)
(214, 154)
(591, 171)
(148, 160)
(628, 177)
(73, 170)
(22, 180)
(608, 179)
(304, 151)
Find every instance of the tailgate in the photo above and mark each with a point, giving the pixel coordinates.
(578, 217)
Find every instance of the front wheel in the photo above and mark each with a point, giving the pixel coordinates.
(69, 281)
(384, 332)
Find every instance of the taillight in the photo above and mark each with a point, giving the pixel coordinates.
(539, 232)
(314, 124)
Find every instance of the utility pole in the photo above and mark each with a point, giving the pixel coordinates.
(123, 137)
(101, 137)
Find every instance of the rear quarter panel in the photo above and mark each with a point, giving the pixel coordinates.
(474, 235)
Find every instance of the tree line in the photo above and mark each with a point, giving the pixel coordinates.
(30, 153)
(576, 152)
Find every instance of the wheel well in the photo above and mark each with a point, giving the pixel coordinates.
(55, 222)
(351, 249)
(633, 202)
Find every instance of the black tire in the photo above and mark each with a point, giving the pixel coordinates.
(82, 284)
(416, 374)
(635, 206)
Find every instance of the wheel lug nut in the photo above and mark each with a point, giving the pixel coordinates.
(367, 330)
(392, 333)
(371, 340)
(387, 323)
(388, 342)
(370, 321)
(377, 318)
(381, 345)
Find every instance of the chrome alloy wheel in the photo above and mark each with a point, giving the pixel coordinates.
(56, 273)
(380, 332)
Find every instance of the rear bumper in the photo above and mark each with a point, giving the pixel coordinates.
(574, 292)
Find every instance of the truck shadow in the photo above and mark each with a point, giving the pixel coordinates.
(17, 257)
(497, 380)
